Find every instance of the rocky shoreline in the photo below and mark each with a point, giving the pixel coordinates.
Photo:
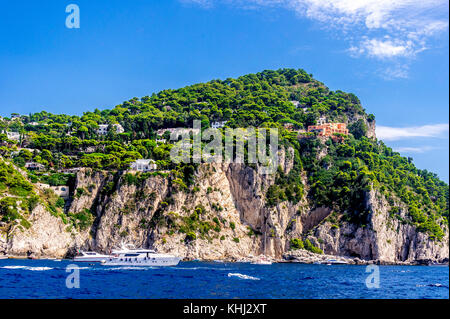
(295, 256)
(306, 257)
(227, 218)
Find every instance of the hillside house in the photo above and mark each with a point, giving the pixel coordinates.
(61, 191)
(13, 136)
(102, 129)
(118, 128)
(144, 165)
(330, 130)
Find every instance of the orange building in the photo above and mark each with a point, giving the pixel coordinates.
(329, 129)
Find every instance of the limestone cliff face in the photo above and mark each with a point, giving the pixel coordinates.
(48, 236)
(383, 238)
(226, 212)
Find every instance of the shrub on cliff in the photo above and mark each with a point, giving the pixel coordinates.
(297, 243)
(190, 236)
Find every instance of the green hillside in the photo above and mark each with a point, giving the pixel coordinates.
(339, 179)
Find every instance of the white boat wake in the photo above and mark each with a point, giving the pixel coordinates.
(241, 276)
(27, 268)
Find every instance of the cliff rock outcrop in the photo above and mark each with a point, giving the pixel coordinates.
(225, 216)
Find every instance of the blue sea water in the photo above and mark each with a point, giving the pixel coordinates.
(47, 279)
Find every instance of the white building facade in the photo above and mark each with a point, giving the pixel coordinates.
(104, 128)
(143, 165)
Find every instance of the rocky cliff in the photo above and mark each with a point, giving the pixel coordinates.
(223, 215)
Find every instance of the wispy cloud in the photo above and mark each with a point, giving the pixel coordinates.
(380, 29)
(384, 49)
(426, 131)
(420, 149)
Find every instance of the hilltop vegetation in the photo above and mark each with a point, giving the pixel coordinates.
(338, 179)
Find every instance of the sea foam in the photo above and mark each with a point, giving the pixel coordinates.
(241, 276)
(27, 268)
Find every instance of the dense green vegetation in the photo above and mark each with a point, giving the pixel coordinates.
(297, 243)
(342, 177)
(339, 178)
(260, 100)
(17, 198)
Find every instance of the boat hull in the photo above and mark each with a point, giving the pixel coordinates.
(90, 259)
(143, 262)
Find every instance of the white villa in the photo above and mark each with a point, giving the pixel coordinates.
(13, 136)
(61, 191)
(144, 165)
(103, 129)
(119, 128)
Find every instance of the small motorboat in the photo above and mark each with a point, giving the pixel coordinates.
(4, 257)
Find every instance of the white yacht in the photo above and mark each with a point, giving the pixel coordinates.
(90, 256)
(4, 257)
(128, 255)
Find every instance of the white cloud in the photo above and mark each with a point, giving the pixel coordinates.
(395, 72)
(382, 29)
(384, 48)
(398, 133)
(421, 149)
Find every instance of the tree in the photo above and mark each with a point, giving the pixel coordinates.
(358, 129)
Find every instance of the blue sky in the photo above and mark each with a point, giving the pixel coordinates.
(392, 54)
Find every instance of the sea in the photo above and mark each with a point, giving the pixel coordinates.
(64, 279)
